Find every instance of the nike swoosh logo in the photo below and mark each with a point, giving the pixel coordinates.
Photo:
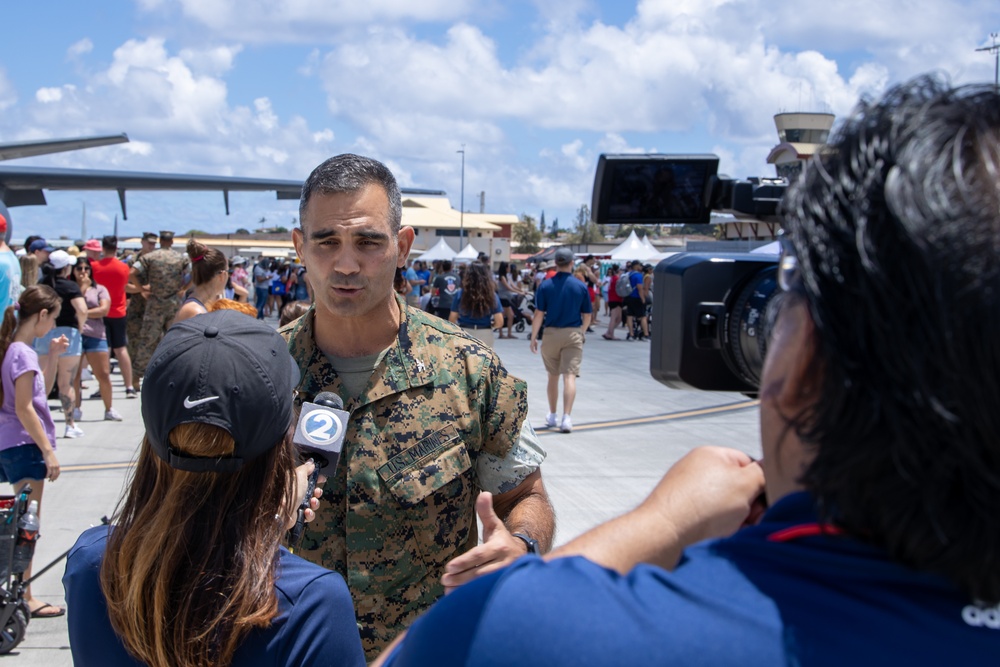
(188, 403)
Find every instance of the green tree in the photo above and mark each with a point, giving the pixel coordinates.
(587, 230)
(554, 230)
(280, 230)
(625, 230)
(194, 232)
(526, 234)
(242, 230)
(541, 223)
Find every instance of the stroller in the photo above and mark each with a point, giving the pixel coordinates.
(523, 307)
(14, 612)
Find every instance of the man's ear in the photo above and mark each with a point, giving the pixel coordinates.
(297, 241)
(796, 334)
(404, 239)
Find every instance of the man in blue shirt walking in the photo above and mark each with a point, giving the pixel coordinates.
(563, 303)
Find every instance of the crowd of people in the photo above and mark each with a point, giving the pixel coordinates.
(866, 534)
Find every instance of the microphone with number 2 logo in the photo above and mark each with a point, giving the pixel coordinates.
(319, 433)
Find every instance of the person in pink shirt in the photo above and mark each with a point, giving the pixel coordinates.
(112, 273)
(27, 432)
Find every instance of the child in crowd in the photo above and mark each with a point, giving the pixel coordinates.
(27, 432)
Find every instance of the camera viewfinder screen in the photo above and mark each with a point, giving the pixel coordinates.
(653, 189)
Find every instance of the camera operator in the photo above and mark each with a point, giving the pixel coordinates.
(880, 434)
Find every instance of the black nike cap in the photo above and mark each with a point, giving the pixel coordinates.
(221, 368)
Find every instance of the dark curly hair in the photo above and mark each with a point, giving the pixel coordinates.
(897, 231)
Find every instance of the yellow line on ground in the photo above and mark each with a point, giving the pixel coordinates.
(701, 412)
(731, 407)
(97, 466)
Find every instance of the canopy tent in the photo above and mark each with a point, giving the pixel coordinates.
(440, 250)
(468, 253)
(633, 248)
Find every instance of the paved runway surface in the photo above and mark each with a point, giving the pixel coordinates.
(628, 429)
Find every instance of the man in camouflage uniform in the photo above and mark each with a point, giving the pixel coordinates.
(435, 417)
(137, 304)
(161, 276)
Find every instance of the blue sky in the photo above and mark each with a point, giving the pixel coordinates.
(535, 90)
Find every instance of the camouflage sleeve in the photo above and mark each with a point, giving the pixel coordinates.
(142, 270)
(503, 408)
(499, 475)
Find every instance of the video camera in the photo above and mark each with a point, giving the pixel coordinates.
(709, 309)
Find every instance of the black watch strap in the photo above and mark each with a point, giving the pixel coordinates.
(532, 543)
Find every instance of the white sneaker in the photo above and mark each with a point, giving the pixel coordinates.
(112, 415)
(73, 432)
(77, 414)
(567, 424)
(86, 375)
(550, 420)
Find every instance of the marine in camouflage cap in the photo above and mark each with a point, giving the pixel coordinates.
(165, 272)
(435, 417)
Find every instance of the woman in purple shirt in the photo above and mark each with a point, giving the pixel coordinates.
(27, 432)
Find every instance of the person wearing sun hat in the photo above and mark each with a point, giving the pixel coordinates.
(217, 484)
(69, 323)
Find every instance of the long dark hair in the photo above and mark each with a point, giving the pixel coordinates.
(895, 229)
(190, 567)
(33, 300)
(478, 293)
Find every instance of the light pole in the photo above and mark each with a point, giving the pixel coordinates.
(461, 206)
(995, 50)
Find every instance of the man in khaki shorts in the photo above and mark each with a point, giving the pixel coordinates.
(564, 305)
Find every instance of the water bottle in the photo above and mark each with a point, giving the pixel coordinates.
(27, 535)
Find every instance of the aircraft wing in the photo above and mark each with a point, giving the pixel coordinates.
(23, 186)
(10, 151)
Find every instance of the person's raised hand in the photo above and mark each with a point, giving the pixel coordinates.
(499, 548)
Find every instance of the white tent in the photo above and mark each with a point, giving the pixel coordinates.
(632, 248)
(468, 253)
(440, 250)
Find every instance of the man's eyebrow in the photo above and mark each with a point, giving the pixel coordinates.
(370, 234)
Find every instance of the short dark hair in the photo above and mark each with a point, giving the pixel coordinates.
(109, 242)
(446, 265)
(895, 229)
(350, 173)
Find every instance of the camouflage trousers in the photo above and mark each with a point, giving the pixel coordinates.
(133, 327)
(159, 313)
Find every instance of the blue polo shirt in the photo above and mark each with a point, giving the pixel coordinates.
(315, 624)
(635, 279)
(563, 299)
(780, 593)
(467, 320)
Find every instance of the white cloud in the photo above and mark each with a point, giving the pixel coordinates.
(46, 95)
(79, 48)
(302, 20)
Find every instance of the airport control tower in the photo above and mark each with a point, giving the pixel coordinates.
(801, 134)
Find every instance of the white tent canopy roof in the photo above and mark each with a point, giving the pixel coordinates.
(440, 250)
(633, 248)
(468, 252)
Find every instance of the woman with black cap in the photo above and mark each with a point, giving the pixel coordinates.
(191, 572)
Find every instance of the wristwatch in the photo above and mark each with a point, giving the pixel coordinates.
(531, 543)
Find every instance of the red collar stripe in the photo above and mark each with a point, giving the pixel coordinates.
(803, 530)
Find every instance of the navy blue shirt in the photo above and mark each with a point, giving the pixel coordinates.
(465, 319)
(563, 298)
(315, 624)
(779, 593)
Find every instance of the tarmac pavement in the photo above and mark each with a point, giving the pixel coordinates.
(628, 430)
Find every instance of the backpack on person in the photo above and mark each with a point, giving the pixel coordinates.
(624, 285)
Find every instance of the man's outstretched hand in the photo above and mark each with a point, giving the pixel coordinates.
(499, 548)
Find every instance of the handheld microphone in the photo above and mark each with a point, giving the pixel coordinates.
(320, 434)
